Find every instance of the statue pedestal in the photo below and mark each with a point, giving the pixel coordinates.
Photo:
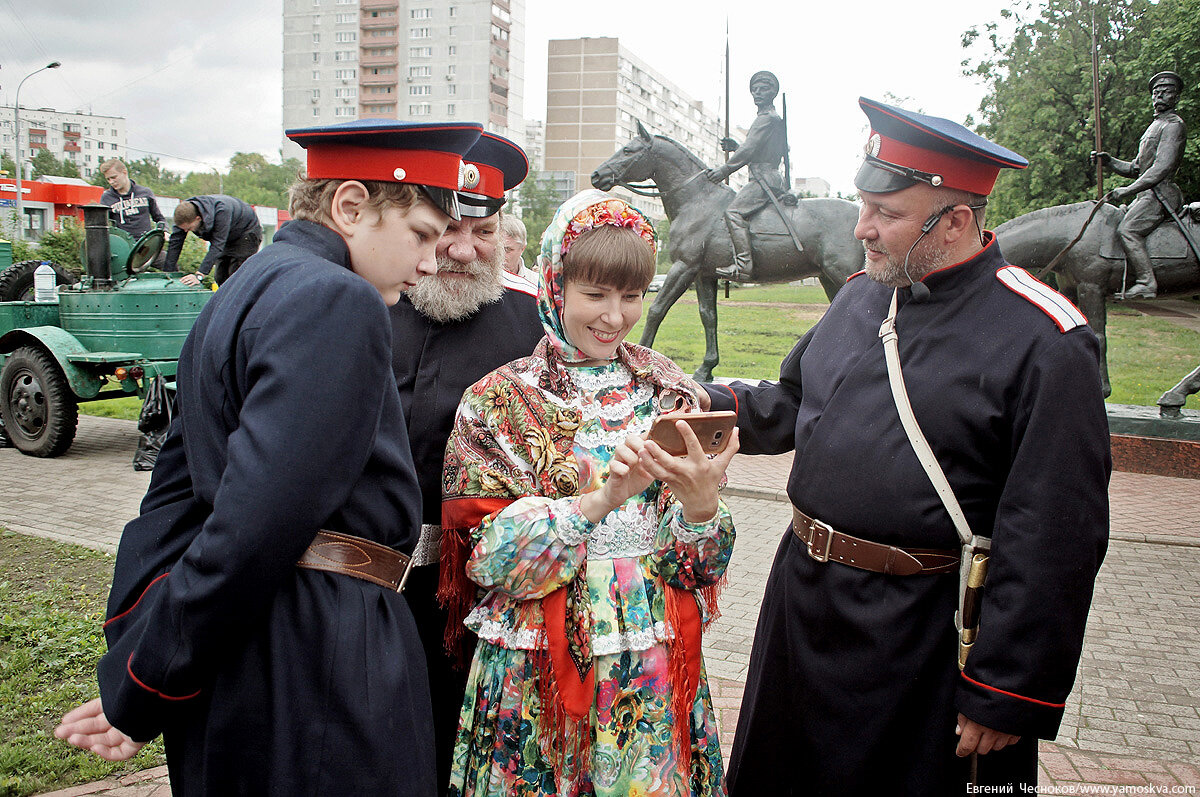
(1143, 442)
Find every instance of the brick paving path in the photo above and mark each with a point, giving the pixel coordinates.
(1131, 721)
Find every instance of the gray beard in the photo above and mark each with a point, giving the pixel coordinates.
(924, 260)
(446, 299)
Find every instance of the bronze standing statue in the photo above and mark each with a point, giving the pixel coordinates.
(762, 151)
(1157, 196)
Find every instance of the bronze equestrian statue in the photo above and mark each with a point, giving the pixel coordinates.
(700, 241)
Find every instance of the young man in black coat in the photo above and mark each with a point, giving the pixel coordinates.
(256, 619)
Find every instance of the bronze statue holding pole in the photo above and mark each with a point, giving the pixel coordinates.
(1157, 196)
(762, 151)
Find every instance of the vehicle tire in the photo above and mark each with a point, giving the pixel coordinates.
(16, 281)
(36, 403)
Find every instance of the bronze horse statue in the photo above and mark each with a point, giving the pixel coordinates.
(700, 242)
(1094, 268)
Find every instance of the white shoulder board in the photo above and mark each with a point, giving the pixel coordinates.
(1050, 301)
(517, 283)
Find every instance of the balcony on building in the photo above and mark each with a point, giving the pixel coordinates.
(378, 23)
(70, 146)
(366, 60)
(378, 5)
(365, 79)
(390, 40)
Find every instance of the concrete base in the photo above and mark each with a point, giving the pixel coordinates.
(1144, 442)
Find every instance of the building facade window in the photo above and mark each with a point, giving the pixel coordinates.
(345, 111)
(346, 19)
(420, 13)
(346, 74)
(345, 93)
(420, 91)
(345, 36)
(451, 110)
(419, 109)
(418, 33)
(420, 52)
(345, 55)
(420, 71)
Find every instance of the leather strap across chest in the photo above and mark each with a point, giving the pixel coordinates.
(826, 544)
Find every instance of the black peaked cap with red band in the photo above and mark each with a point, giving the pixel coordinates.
(905, 148)
(494, 165)
(426, 154)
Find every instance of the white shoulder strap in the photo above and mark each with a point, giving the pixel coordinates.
(933, 469)
(891, 350)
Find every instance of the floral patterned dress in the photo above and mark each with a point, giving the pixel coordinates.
(624, 566)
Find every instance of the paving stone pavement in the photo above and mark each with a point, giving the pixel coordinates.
(1132, 719)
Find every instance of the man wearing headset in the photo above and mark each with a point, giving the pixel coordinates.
(854, 685)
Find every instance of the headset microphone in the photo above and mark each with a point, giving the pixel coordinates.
(920, 291)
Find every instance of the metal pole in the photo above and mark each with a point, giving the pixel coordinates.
(17, 137)
(1096, 104)
(726, 92)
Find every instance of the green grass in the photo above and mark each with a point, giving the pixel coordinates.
(1146, 355)
(51, 609)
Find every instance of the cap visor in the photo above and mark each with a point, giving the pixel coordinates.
(478, 206)
(872, 179)
(445, 200)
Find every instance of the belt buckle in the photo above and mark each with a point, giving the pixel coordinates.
(814, 526)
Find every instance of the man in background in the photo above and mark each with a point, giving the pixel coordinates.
(514, 238)
(230, 226)
(132, 207)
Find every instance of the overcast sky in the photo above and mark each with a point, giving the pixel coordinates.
(198, 81)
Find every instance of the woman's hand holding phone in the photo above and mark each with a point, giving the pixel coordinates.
(693, 478)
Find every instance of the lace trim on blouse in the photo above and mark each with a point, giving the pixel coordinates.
(506, 636)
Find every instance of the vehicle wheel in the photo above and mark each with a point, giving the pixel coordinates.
(39, 410)
(16, 282)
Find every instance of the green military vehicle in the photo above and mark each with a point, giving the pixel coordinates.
(107, 335)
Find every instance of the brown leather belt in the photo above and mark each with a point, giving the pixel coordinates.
(826, 544)
(354, 556)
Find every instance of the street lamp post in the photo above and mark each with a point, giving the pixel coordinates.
(17, 138)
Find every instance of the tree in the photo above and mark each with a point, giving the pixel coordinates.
(1039, 101)
(1171, 31)
(44, 163)
(538, 202)
(7, 165)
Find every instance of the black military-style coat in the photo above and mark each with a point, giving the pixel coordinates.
(262, 677)
(434, 364)
(853, 685)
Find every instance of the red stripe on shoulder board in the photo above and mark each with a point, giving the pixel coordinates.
(514, 282)
(1012, 694)
(1064, 314)
(855, 274)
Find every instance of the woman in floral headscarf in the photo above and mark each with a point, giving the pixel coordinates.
(594, 555)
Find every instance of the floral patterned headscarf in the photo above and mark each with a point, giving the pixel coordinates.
(582, 212)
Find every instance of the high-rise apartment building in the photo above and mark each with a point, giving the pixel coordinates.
(415, 60)
(84, 139)
(596, 93)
